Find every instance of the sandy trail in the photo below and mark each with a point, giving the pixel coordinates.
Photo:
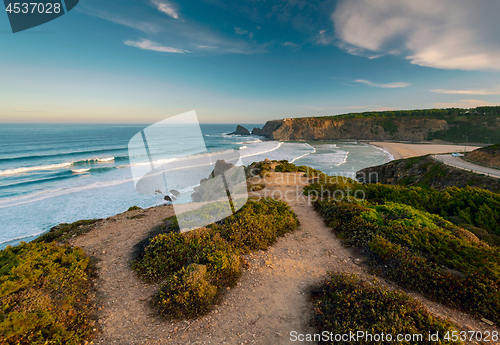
(268, 303)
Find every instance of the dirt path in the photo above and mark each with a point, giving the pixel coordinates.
(268, 303)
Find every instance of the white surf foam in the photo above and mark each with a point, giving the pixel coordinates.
(35, 168)
(80, 171)
(305, 154)
(391, 157)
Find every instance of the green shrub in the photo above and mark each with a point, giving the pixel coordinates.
(474, 206)
(132, 208)
(474, 292)
(343, 304)
(187, 293)
(421, 251)
(257, 225)
(214, 251)
(258, 168)
(45, 295)
(285, 166)
(256, 187)
(168, 253)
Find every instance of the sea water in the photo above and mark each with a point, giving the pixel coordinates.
(51, 174)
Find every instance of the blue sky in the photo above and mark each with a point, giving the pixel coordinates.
(249, 61)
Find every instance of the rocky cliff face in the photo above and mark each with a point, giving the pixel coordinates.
(411, 129)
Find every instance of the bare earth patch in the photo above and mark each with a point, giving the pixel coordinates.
(269, 301)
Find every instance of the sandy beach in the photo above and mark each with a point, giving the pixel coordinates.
(401, 150)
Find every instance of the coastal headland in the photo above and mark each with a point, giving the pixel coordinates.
(477, 125)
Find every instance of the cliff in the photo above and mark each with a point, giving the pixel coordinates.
(361, 128)
(425, 172)
(413, 125)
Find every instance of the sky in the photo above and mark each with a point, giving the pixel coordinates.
(249, 61)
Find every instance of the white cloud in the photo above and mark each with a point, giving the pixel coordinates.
(166, 8)
(240, 31)
(185, 36)
(323, 39)
(150, 45)
(385, 86)
(144, 26)
(205, 47)
(447, 34)
(293, 46)
(465, 103)
(467, 92)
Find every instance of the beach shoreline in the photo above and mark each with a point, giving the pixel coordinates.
(404, 150)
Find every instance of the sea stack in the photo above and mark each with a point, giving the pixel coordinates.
(240, 130)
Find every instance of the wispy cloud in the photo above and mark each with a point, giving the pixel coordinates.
(465, 103)
(385, 86)
(167, 8)
(323, 39)
(467, 92)
(241, 31)
(175, 36)
(200, 46)
(150, 45)
(291, 45)
(445, 34)
(144, 26)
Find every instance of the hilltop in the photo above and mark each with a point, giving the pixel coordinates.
(454, 125)
(488, 156)
(426, 172)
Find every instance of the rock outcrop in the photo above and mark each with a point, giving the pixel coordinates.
(208, 189)
(240, 130)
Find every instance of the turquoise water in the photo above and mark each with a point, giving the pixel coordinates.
(51, 174)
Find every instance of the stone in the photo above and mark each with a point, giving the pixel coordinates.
(240, 130)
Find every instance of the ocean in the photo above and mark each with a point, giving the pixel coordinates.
(52, 174)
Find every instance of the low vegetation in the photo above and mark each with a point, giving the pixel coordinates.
(344, 304)
(421, 250)
(258, 168)
(45, 295)
(284, 166)
(64, 231)
(133, 208)
(194, 267)
(256, 187)
(466, 207)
